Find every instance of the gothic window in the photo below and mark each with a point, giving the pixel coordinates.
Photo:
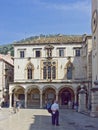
(69, 69)
(49, 70)
(30, 71)
(53, 72)
(69, 72)
(44, 72)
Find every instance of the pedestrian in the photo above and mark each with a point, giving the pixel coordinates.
(55, 113)
(48, 107)
(69, 104)
(73, 105)
(14, 107)
(76, 106)
(18, 105)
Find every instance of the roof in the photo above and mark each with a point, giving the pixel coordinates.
(7, 58)
(52, 39)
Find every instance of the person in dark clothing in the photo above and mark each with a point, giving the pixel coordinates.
(48, 106)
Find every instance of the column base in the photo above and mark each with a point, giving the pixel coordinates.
(94, 104)
(94, 114)
(82, 110)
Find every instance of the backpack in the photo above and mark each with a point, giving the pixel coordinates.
(49, 108)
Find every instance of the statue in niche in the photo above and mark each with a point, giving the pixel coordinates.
(49, 52)
(49, 49)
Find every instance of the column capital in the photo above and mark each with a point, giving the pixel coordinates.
(57, 91)
(41, 91)
(10, 93)
(26, 91)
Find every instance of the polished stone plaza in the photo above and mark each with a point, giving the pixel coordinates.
(40, 119)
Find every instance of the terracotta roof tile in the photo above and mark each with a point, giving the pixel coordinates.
(54, 39)
(6, 58)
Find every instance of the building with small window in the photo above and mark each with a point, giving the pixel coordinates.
(48, 68)
(6, 76)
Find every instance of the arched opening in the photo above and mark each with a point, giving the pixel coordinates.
(29, 71)
(33, 97)
(49, 70)
(66, 95)
(48, 96)
(69, 69)
(18, 95)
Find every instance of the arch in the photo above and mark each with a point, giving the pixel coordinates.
(17, 94)
(32, 87)
(49, 86)
(69, 70)
(65, 86)
(33, 97)
(66, 94)
(48, 94)
(29, 65)
(16, 87)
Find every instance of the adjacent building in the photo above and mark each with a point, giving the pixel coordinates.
(94, 58)
(6, 76)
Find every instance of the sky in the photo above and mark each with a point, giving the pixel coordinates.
(20, 19)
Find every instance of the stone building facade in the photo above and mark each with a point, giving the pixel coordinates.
(48, 68)
(94, 89)
(6, 76)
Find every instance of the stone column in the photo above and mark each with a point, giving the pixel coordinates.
(94, 100)
(25, 99)
(41, 99)
(75, 92)
(89, 96)
(82, 100)
(56, 95)
(10, 105)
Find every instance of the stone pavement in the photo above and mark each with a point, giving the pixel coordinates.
(40, 119)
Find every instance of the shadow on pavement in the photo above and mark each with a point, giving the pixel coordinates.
(42, 122)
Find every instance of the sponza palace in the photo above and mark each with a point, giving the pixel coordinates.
(61, 67)
(48, 68)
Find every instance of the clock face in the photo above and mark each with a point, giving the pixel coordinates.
(94, 21)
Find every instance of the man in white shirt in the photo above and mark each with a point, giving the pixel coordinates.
(55, 113)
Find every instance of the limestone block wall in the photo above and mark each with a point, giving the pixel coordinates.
(95, 44)
(20, 63)
(1, 78)
(1, 74)
(89, 59)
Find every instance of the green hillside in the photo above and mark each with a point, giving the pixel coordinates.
(4, 49)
